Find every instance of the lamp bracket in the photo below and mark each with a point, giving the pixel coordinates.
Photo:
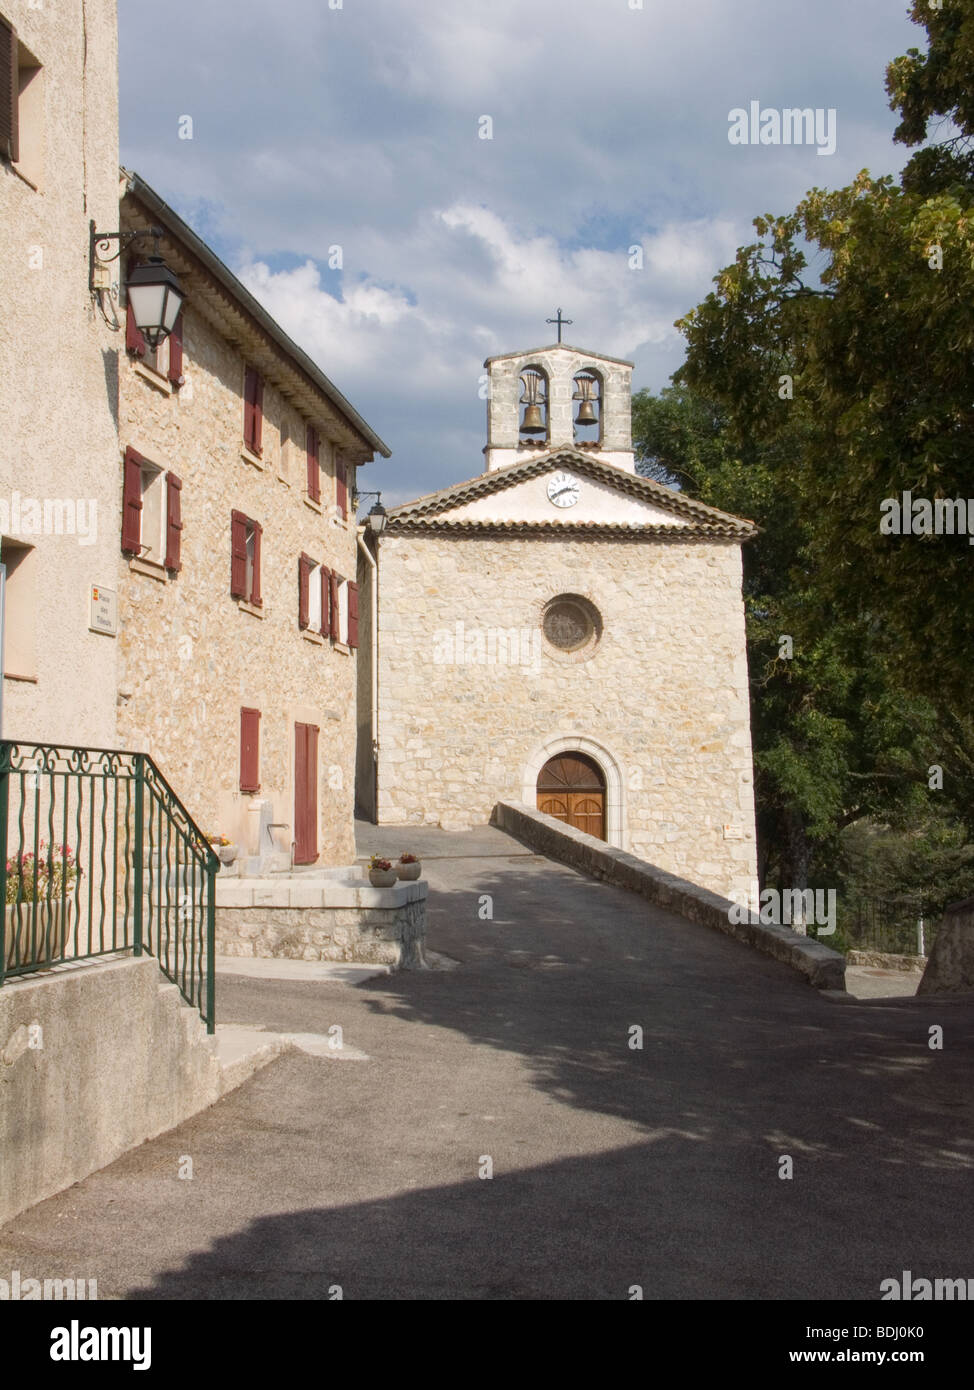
(99, 246)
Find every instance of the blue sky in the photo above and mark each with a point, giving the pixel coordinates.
(359, 127)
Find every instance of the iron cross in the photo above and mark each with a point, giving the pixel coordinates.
(560, 322)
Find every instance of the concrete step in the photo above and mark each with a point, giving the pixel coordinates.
(242, 1051)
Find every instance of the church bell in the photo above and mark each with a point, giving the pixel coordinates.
(532, 395)
(586, 393)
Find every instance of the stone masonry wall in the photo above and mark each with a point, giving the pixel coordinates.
(662, 703)
(190, 655)
(369, 935)
(58, 380)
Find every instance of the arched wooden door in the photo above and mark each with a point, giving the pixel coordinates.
(571, 787)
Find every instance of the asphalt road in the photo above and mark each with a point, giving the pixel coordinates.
(612, 1166)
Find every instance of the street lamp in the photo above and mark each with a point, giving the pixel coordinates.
(155, 297)
(154, 294)
(377, 517)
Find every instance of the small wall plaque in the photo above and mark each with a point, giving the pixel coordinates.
(733, 832)
(104, 611)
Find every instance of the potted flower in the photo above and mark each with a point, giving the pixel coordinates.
(409, 866)
(227, 852)
(381, 872)
(38, 904)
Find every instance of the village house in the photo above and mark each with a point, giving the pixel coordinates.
(237, 541)
(58, 370)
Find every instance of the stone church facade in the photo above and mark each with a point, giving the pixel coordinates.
(563, 632)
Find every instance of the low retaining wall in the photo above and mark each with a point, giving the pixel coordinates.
(95, 1058)
(886, 960)
(950, 969)
(823, 967)
(323, 919)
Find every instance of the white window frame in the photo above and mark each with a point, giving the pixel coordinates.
(251, 554)
(314, 599)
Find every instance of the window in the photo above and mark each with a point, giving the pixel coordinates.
(167, 359)
(327, 598)
(250, 750)
(253, 410)
(341, 486)
(20, 611)
(151, 512)
(314, 464)
(572, 627)
(21, 106)
(245, 537)
(310, 586)
(284, 461)
(320, 601)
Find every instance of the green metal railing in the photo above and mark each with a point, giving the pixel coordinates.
(102, 856)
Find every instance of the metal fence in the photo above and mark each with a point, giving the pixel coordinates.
(100, 856)
(895, 926)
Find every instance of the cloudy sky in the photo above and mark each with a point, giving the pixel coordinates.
(360, 127)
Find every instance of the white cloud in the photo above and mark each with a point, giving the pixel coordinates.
(358, 127)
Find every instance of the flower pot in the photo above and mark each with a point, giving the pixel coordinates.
(409, 871)
(227, 853)
(36, 933)
(382, 878)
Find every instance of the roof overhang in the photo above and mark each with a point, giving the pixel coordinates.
(220, 297)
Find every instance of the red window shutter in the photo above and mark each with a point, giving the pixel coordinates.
(134, 341)
(353, 615)
(250, 750)
(174, 521)
(132, 503)
(314, 471)
(305, 566)
(341, 486)
(335, 626)
(253, 410)
(255, 597)
(238, 555)
(176, 351)
(9, 92)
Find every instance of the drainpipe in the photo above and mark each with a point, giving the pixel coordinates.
(374, 658)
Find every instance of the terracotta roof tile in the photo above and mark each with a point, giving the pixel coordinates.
(425, 512)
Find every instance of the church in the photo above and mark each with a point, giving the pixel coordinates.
(563, 632)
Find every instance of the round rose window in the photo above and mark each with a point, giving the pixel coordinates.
(571, 624)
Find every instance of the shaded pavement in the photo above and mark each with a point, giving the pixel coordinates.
(612, 1165)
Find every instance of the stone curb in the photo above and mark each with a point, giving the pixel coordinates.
(822, 967)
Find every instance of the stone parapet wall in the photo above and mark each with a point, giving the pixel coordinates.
(822, 967)
(328, 920)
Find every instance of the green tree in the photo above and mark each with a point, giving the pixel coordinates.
(937, 87)
(880, 350)
(834, 738)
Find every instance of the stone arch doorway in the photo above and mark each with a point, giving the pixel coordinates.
(569, 741)
(571, 787)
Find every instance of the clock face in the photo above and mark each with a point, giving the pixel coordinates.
(563, 490)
